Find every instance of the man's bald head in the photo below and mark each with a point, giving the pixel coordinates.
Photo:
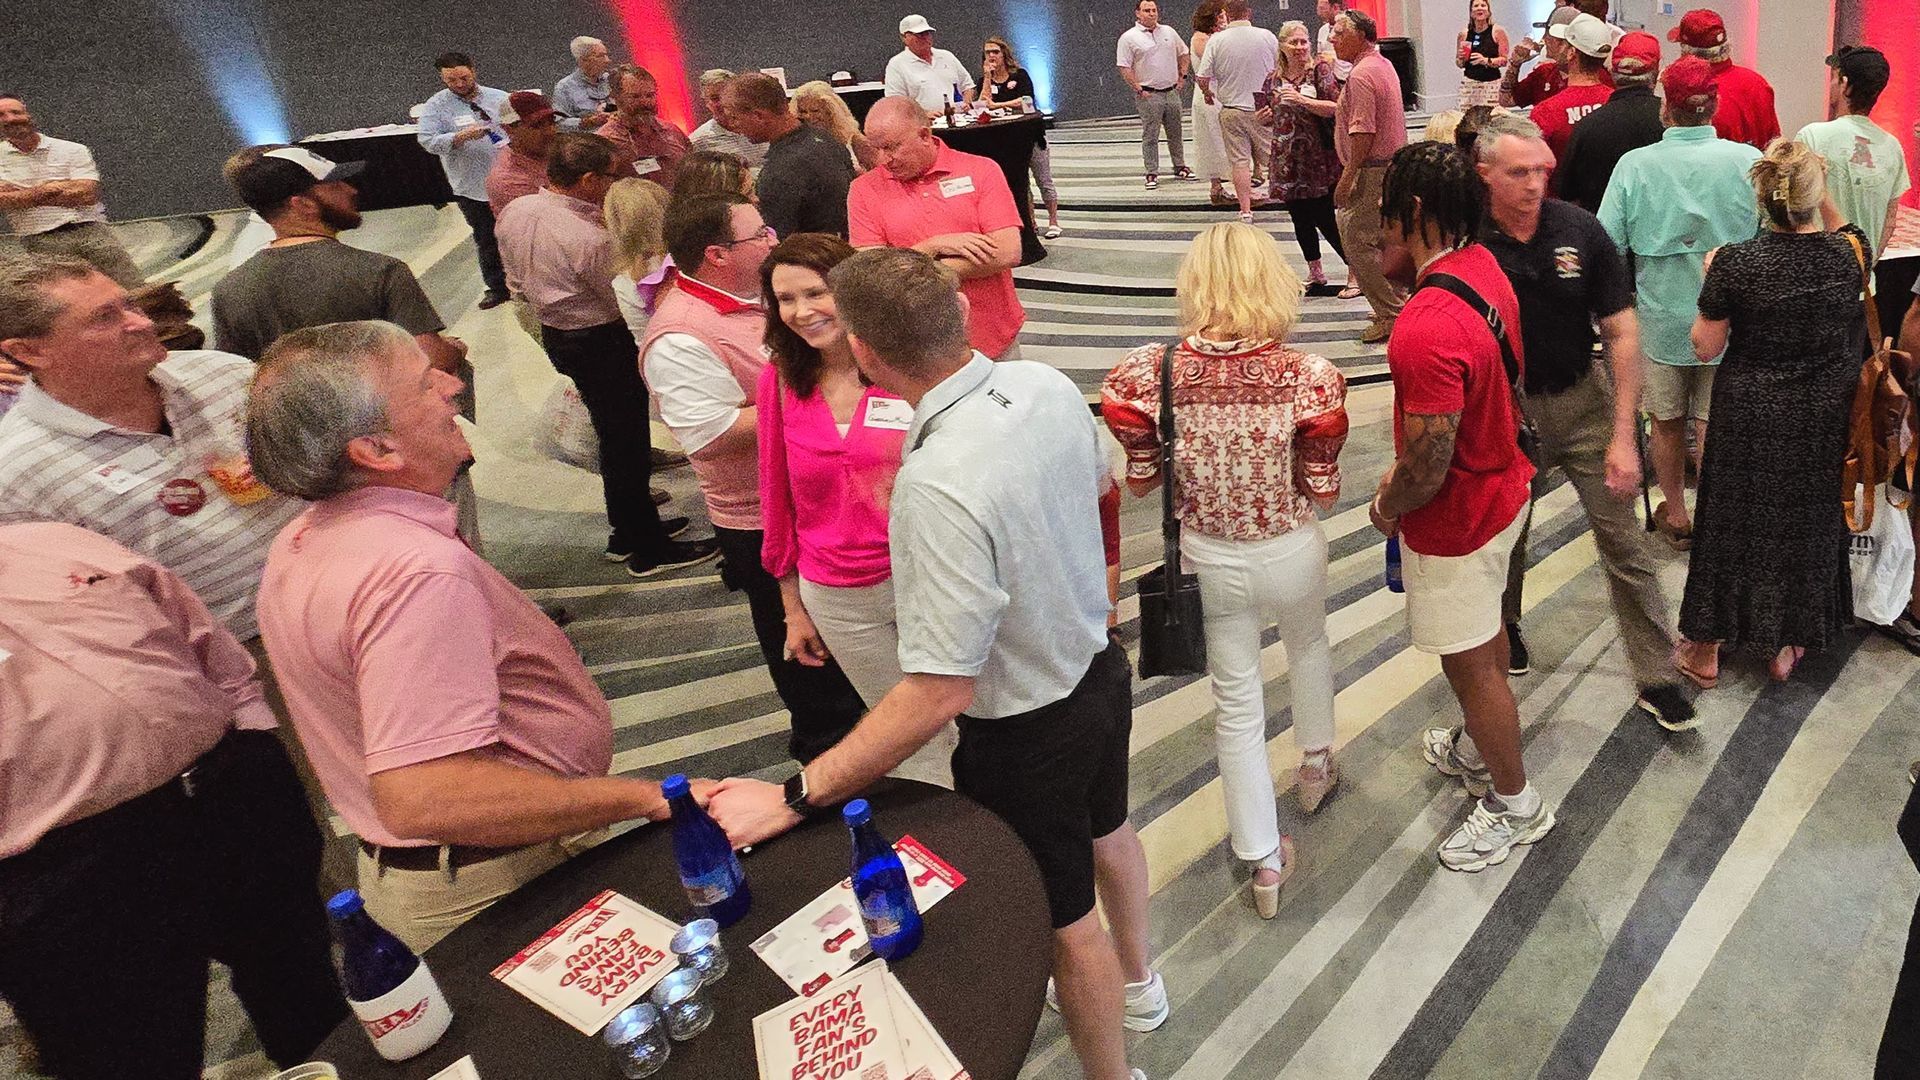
(897, 128)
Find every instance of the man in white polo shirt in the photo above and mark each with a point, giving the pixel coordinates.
(933, 77)
(1000, 586)
(1154, 61)
(1238, 63)
(50, 192)
(117, 435)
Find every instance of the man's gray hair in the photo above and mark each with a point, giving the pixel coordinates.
(714, 76)
(1498, 126)
(25, 308)
(872, 288)
(315, 392)
(581, 45)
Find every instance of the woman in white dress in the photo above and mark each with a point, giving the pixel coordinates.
(1209, 147)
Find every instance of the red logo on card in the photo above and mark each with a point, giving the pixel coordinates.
(394, 1021)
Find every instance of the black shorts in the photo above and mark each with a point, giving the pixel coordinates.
(1058, 776)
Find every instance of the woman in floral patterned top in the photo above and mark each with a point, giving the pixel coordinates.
(1258, 428)
(1305, 168)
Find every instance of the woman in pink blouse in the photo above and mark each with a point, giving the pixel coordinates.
(829, 448)
(1258, 428)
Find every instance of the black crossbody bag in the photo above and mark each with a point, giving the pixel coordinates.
(1172, 637)
(1528, 438)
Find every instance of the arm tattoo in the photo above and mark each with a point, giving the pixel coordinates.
(1422, 466)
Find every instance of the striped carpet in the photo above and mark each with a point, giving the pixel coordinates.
(1731, 902)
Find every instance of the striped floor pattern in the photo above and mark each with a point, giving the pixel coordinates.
(1731, 902)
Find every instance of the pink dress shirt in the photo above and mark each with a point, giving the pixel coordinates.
(558, 255)
(513, 174)
(824, 498)
(395, 644)
(114, 678)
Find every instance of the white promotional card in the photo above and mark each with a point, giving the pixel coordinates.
(596, 962)
(826, 937)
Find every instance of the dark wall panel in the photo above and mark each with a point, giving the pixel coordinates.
(140, 80)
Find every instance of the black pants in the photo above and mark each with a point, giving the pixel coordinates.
(604, 363)
(106, 925)
(823, 704)
(480, 219)
(1311, 216)
(1899, 1057)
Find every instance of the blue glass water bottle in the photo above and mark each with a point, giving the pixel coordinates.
(880, 884)
(1395, 583)
(389, 988)
(710, 871)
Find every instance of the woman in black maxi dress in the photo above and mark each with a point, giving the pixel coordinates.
(1769, 560)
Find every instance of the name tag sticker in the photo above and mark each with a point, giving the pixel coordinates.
(646, 165)
(4, 654)
(117, 478)
(889, 414)
(956, 185)
(463, 121)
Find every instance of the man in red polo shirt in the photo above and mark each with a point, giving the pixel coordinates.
(955, 207)
(1746, 111)
(1456, 493)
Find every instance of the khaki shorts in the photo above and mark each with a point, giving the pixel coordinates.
(1677, 391)
(1246, 140)
(1453, 601)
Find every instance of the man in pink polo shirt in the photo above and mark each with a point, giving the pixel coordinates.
(451, 723)
(955, 207)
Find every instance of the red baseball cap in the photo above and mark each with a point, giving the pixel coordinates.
(526, 107)
(1700, 28)
(1637, 53)
(1690, 81)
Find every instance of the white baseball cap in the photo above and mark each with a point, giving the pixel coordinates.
(1586, 33)
(915, 24)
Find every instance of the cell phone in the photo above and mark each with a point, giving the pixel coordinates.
(1261, 99)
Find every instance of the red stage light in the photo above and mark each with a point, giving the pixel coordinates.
(653, 38)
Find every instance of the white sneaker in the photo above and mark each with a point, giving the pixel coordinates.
(1147, 1006)
(1441, 749)
(1490, 834)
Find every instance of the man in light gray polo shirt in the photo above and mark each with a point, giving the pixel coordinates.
(1000, 580)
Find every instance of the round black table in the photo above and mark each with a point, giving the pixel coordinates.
(980, 973)
(1010, 144)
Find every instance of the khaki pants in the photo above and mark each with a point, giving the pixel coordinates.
(1160, 110)
(423, 906)
(1360, 234)
(1574, 428)
(93, 242)
(1247, 142)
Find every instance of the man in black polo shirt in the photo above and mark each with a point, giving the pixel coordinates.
(803, 185)
(1628, 121)
(1570, 277)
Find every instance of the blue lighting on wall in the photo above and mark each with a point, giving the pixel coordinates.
(1030, 27)
(228, 46)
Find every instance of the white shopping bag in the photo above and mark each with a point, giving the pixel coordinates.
(566, 431)
(1882, 562)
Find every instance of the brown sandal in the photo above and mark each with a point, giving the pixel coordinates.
(1681, 539)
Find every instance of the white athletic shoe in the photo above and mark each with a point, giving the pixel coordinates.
(1490, 834)
(1441, 749)
(1147, 1006)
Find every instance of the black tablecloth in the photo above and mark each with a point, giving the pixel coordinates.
(980, 972)
(1010, 143)
(400, 172)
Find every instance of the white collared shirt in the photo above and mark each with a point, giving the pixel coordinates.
(929, 82)
(60, 464)
(1238, 61)
(51, 159)
(1154, 55)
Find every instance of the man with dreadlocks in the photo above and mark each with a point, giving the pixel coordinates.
(1456, 494)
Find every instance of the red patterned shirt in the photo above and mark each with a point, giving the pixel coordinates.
(1258, 429)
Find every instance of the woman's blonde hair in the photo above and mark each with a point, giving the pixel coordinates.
(845, 127)
(1235, 285)
(1443, 126)
(1287, 28)
(1790, 181)
(635, 209)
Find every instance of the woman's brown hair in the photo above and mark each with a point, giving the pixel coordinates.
(798, 362)
(1207, 15)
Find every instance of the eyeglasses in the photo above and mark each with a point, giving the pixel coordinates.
(765, 232)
